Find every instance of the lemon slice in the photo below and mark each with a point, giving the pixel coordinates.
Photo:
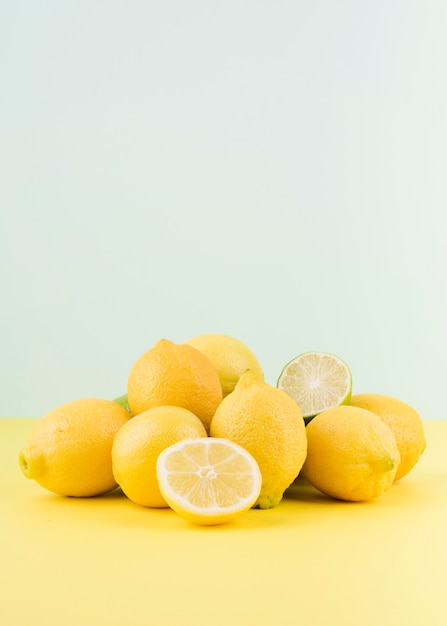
(208, 480)
(316, 381)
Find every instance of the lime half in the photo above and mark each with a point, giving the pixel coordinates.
(316, 381)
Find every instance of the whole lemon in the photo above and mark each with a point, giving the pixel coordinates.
(351, 455)
(269, 425)
(138, 444)
(69, 450)
(404, 421)
(230, 356)
(176, 375)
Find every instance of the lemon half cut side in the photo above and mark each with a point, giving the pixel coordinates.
(208, 481)
(317, 381)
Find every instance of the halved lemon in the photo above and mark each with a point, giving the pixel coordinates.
(317, 381)
(208, 480)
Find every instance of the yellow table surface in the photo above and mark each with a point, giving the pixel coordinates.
(309, 561)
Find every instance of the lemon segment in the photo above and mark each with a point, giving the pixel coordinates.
(317, 381)
(208, 481)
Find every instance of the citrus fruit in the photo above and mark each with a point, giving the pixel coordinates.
(69, 450)
(404, 421)
(176, 375)
(138, 444)
(230, 356)
(208, 481)
(351, 455)
(269, 425)
(123, 402)
(316, 381)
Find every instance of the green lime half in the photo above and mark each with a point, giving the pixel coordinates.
(316, 381)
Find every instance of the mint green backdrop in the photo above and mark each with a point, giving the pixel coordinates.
(275, 171)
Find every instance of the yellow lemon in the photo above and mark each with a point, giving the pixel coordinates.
(404, 421)
(139, 442)
(352, 454)
(69, 450)
(176, 375)
(269, 425)
(230, 356)
(208, 481)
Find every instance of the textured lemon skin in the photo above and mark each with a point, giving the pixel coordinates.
(352, 454)
(269, 425)
(230, 356)
(404, 421)
(174, 375)
(138, 444)
(69, 451)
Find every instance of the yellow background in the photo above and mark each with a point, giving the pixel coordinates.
(311, 560)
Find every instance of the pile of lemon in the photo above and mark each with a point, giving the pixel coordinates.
(200, 431)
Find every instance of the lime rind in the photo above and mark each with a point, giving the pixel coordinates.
(123, 402)
(316, 381)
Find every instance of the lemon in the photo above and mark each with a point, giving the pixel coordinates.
(139, 442)
(404, 421)
(316, 381)
(269, 425)
(208, 481)
(352, 454)
(230, 356)
(69, 450)
(174, 375)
